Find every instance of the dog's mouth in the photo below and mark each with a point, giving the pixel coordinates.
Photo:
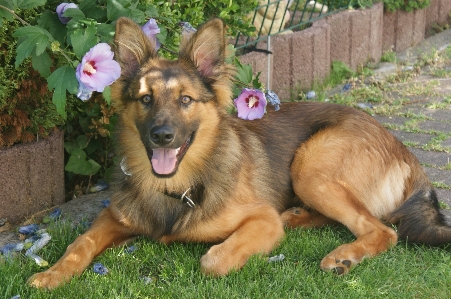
(165, 161)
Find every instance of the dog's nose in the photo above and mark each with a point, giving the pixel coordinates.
(161, 135)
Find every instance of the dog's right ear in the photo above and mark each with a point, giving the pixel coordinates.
(132, 46)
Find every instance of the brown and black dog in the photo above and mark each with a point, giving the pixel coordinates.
(192, 172)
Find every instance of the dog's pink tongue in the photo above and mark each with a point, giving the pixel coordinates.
(164, 160)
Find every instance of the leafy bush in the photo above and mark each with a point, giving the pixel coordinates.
(26, 110)
(55, 49)
(407, 5)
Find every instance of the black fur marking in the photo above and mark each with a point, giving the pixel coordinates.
(419, 220)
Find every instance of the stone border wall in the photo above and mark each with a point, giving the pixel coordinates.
(31, 177)
(353, 37)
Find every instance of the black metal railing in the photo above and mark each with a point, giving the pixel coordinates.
(279, 16)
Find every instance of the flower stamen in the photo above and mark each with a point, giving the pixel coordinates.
(89, 68)
(252, 101)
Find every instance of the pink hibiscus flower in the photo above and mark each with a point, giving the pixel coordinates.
(60, 9)
(251, 104)
(151, 30)
(97, 69)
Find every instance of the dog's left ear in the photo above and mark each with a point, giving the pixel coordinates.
(206, 48)
(132, 46)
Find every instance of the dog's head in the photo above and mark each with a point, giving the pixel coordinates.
(165, 105)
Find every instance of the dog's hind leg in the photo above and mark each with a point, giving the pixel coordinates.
(258, 233)
(337, 203)
(105, 232)
(332, 177)
(304, 218)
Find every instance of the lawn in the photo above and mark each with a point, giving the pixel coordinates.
(155, 270)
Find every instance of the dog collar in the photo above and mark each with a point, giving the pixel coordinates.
(184, 198)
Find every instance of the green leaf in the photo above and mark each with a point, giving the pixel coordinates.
(95, 167)
(82, 141)
(106, 33)
(62, 80)
(152, 12)
(83, 39)
(115, 9)
(74, 13)
(107, 94)
(79, 164)
(42, 64)
(4, 14)
(33, 38)
(93, 11)
(27, 4)
(137, 15)
(245, 74)
(70, 146)
(162, 35)
(51, 22)
(94, 145)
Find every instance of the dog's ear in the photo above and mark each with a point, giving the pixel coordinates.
(132, 46)
(206, 48)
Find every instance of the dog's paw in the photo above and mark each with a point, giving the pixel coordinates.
(216, 263)
(49, 279)
(341, 260)
(339, 267)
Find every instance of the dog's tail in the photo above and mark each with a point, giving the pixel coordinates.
(419, 219)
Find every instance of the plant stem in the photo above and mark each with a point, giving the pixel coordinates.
(15, 15)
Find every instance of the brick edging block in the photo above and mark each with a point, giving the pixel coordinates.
(402, 29)
(32, 177)
(300, 58)
(356, 36)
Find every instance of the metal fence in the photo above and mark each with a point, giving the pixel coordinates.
(273, 17)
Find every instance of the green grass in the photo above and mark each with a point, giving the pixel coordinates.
(405, 271)
(389, 56)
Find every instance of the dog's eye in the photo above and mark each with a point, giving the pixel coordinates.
(146, 99)
(186, 100)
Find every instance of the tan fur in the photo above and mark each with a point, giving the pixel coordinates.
(307, 165)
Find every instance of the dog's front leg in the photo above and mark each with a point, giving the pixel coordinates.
(105, 232)
(258, 233)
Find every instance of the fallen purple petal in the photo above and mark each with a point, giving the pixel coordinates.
(146, 279)
(38, 260)
(28, 229)
(276, 258)
(100, 186)
(310, 95)
(44, 240)
(15, 297)
(130, 249)
(10, 247)
(106, 203)
(346, 87)
(85, 224)
(100, 269)
(84, 93)
(54, 215)
(273, 99)
(365, 106)
(187, 29)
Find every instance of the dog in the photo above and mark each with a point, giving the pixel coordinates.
(193, 172)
